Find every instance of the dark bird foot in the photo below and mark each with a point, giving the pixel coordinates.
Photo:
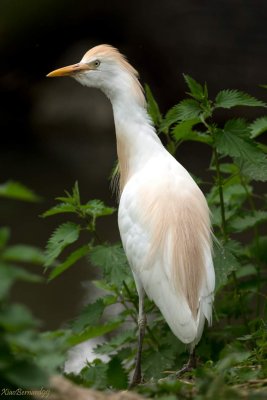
(189, 366)
(136, 380)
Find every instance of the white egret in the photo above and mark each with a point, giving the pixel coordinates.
(163, 216)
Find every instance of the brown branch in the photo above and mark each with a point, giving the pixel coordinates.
(63, 389)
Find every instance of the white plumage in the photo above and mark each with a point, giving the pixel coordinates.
(163, 216)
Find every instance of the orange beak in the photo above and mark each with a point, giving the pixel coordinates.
(69, 70)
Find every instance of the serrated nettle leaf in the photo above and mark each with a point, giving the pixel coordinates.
(15, 190)
(89, 316)
(70, 261)
(256, 170)
(95, 375)
(24, 253)
(63, 236)
(196, 89)
(152, 107)
(117, 377)
(60, 209)
(237, 126)
(251, 160)
(241, 223)
(96, 208)
(155, 363)
(113, 261)
(232, 98)
(224, 263)
(258, 127)
(187, 109)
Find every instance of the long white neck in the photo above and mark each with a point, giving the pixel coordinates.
(137, 140)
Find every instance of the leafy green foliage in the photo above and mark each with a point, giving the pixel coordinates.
(233, 352)
(113, 262)
(27, 356)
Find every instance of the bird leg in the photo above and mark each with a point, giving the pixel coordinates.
(191, 364)
(137, 377)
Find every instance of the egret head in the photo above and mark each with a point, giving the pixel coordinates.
(105, 68)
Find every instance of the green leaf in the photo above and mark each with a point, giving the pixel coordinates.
(156, 362)
(93, 331)
(15, 190)
(117, 377)
(152, 107)
(196, 89)
(26, 374)
(240, 224)
(233, 141)
(24, 253)
(72, 259)
(59, 209)
(187, 109)
(224, 263)
(184, 131)
(16, 317)
(4, 236)
(246, 270)
(90, 315)
(96, 208)
(116, 342)
(232, 98)
(64, 235)
(9, 274)
(258, 126)
(113, 261)
(95, 375)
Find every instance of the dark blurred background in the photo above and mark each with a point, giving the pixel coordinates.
(54, 132)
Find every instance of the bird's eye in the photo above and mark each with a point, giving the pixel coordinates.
(96, 63)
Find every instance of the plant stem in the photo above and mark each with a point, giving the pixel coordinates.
(220, 186)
